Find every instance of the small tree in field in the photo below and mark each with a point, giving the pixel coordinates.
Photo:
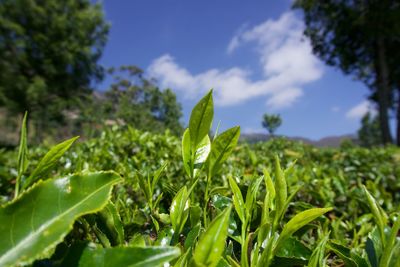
(271, 122)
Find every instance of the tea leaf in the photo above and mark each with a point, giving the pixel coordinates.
(317, 257)
(221, 148)
(22, 155)
(194, 158)
(379, 216)
(110, 224)
(281, 190)
(128, 256)
(201, 119)
(390, 244)
(298, 222)
(211, 245)
(187, 153)
(48, 161)
(43, 215)
(179, 210)
(237, 198)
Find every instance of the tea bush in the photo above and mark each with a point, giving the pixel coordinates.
(199, 201)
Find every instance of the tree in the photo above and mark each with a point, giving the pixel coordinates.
(271, 122)
(356, 37)
(369, 134)
(136, 101)
(48, 55)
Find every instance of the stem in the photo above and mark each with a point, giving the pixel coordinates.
(16, 192)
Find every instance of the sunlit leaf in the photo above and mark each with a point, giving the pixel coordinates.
(221, 148)
(179, 210)
(48, 161)
(297, 222)
(280, 188)
(211, 245)
(201, 119)
(43, 215)
(128, 256)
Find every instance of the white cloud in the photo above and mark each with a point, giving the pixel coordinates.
(286, 60)
(358, 111)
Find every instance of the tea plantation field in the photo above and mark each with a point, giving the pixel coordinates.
(132, 198)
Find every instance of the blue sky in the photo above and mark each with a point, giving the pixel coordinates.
(251, 52)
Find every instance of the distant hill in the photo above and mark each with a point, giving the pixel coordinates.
(329, 141)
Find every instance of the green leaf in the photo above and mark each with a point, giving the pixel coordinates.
(179, 210)
(184, 259)
(201, 119)
(192, 237)
(194, 158)
(349, 257)
(201, 154)
(317, 258)
(237, 198)
(211, 245)
(144, 185)
(48, 161)
(373, 247)
(22, 155)
(390, 244)
(281, 190)
(298, 222)
(195, 213)
(223, 263)
(379, 216)
(269, 186)
(186, 153)
(23, 149)
(221, 148)
(128, 256)
(111, 225)
(43, 215)
(251, 196)
(293, 248)
(157, 176)
(395, 257)
(164, 237)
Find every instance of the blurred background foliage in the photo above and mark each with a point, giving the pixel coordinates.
(49, 53)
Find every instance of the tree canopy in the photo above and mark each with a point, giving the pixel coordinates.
(49, 52)
(134, 100)
(271, 122)
(359, 37)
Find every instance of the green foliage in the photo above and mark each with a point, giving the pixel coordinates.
(271, 122)
(135, 256)
(42, 216)
(133, 100)
(213, 202)
(212, 243)
(369, 134)
(48, 161)
(48, 56)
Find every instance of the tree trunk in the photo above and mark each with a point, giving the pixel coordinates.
(383, 88)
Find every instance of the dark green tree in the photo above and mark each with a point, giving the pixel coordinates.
(49, 52)
(359, 37)
(271, 122)
(369, 134)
